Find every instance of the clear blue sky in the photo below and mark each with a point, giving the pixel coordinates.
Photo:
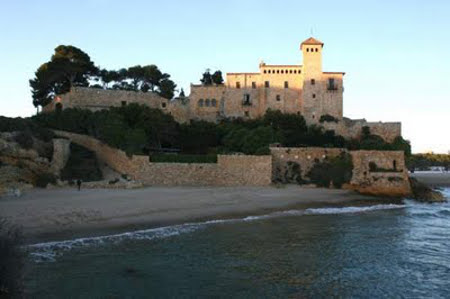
(395, 53)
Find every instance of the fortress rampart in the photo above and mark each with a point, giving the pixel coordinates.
(389, 178)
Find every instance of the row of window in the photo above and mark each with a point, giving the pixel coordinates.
(207, 103)
(312, 50)
(266, 84)
(282, 71)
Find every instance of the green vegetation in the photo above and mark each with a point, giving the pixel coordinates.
(425, 161)
(11, 261)
(27, 127)
(215, 78)
(334, 171)
(44, 179)
(183, 158)
(328, 118)
(70, 66)
(139, 129)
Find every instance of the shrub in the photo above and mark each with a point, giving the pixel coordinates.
(44, 179)
(24, 139)
(328, 118)
(335, 170)
(11, 261)
(177, 158)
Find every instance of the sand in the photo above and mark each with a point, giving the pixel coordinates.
(47, 215)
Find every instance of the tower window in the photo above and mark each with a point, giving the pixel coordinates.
(214, 102)
(307, 49)
(314, 95)
(286, 84)
(163, 105)
(290, 71)
(278, 71)
(200, 103)
(246, 100)
(268, 71)
(266, 84)
(299, 71)
(207, 102)
(317, 50)
(124, 103)
(253, 85)
(238, 84)
(313, 81)
(265, 71)
(246, 113)
(295, 71)
(278, 98)
(282, 71)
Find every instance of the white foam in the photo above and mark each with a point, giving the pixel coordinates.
(48, 251)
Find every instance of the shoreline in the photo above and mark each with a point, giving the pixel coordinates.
(432, 179)
(60, 214)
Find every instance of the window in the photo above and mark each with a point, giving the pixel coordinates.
(58, 107)
(163, 105)
(313, 81)
(314, 95)
(290, 71)
(282, 71)
(265, 71)
(307, 49)
(278, 71)
(200, 103)
(214, 103)
(299, 71)
(295, 71)
(246, 113)
(238, 84)
(331, 84)
(394, 164)
(253, 85)
(266, 84)
(207, 102)
(278, 98)
(317, 50)
(124, 103)
(246, 101)
(269, 71)
(286, 84)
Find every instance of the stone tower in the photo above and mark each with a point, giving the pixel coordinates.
(312, 76)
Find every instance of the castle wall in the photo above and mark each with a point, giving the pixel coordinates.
(353, 128)
(230, 170)
(97, 99)
(391, 179)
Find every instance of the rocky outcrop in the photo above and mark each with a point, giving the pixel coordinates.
(61, 154)
(424, 193)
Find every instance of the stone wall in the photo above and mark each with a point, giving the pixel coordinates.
(230, 170)
(391, 178)
(353, 128)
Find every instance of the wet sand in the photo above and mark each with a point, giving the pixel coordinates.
(57, 214)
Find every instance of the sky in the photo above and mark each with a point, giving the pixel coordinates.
(395, 53)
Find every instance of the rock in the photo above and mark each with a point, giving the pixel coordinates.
(424, 193)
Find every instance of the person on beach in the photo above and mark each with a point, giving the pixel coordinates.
(79, 184)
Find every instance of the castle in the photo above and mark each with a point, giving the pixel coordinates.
(302, 89)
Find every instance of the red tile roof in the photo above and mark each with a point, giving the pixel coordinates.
(311, 41)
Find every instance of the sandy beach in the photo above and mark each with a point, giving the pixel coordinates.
(57, 214)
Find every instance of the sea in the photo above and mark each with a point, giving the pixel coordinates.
(377, 251)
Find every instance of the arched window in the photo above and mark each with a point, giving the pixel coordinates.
(290, 71)
(269, 71)
(317, 50)
(295, 71)
(200, 103)
(282, 71)
(278, 71)
(394, 164)
(265, 71)
(207, 102)
(213, 102)
(307, 49)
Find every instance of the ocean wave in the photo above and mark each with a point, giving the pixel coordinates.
(48, 251)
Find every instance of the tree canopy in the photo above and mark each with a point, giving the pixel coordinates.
(70, 66)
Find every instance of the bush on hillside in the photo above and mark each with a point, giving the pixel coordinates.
(24, 139)
(334, 171)
(44, 179)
